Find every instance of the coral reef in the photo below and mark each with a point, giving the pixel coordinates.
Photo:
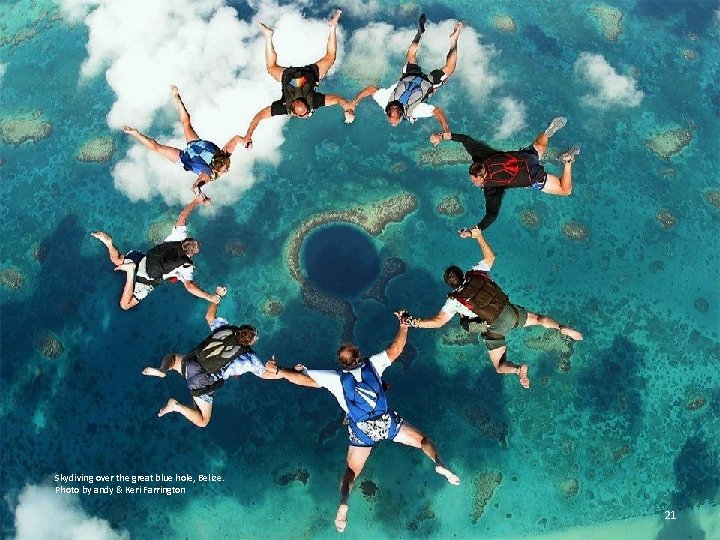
(551, 341)
(689, 55)
(425, 513)
(391, 268)
(504, 23)
(450, 206)
(440, 157)
(12, 279)
(50, 345)
(697, 402)
(40, 251)
(235, 248)
(610, 19)
(16, 39)
(666, 219)
(159, 229)
(486, 424)
(619, 453)
(702, 305)
(575, 231)
(373, 218)
(398, 167)
(272, 307)
(330, 429)
(369, 488)
(455, 335)
(98, 150)
(300, 475)
(24, 127)
(485, 485)
(530, 218)
(570, 487)
(712, 197)
(669, 143)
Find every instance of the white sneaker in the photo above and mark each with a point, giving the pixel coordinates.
(568, 156)
(557, 124)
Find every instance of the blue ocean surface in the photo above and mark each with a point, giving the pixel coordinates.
(623, 425)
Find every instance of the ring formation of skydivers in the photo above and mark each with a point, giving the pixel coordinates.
(357, 383)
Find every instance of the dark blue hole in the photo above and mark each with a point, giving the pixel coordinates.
(340, 260)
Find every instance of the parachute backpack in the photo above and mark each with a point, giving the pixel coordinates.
(304, 91)
(219, 349)
(365, 398)
(164, 258)
(481, 295)
(411, 90)
(502, 169)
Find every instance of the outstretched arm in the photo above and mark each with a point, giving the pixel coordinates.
(396, 347)
(441, 319)
(365, 92)
(493, 201)
(195, 290)
(185, 214)
(488, 255)
(295, 376)
(211, 313)
(440, 115)
(246, 141)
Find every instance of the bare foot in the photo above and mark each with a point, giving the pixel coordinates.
(341, 518)
(453, 478)
(456, 30)
(266, 30)
(103, 237)
(524, 379)
(130, 130)
(571, 333)
(168, 408)
(174, 92)
(334, 19)
(127, 266)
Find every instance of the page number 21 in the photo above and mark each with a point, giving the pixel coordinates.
(669, 514)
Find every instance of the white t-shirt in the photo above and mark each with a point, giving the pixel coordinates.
(421, 110)
(182, 273)
(330, 379)
(452, 306)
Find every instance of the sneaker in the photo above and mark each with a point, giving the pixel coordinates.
(557, 124)
(421, 23)
(569, 155)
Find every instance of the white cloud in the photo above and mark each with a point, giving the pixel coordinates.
(3, 69)
(217, 61)
(41, 514)
(376, 53)
(513, 118)
(610, 87)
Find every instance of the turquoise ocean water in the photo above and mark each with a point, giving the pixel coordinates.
(622, 425)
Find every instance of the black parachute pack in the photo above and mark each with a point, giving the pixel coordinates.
(304, 91)
(503, 168)
(213, 354)
(481, 295)
(164, 258)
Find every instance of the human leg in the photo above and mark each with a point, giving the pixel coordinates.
(273, 69)
(356, 458)
(188, 130)
(327, 61)
(115, 256)
(127, 299)
(411, 436)
(534, 319)
(451, 60)
(541, 141)
(505, 367)
(169, 152)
